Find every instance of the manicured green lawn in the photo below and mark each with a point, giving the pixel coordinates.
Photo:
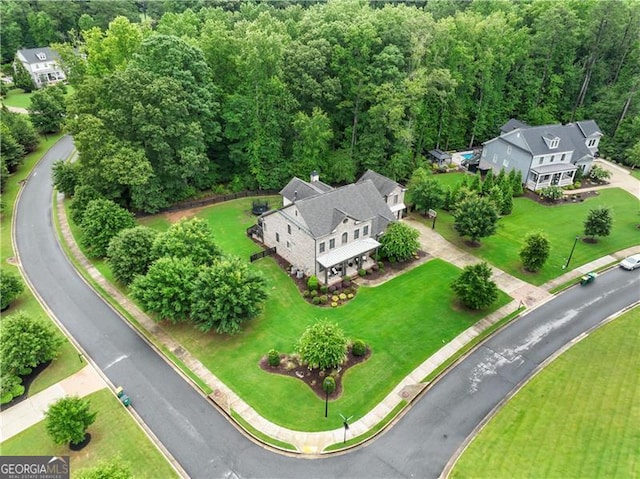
(451, 179)
(561, 223)
(18, 98)
(404, 321)
(578, 418)
(114, 435)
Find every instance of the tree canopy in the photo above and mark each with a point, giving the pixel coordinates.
(251, 96)
(474, 286)
(323, 345)
(476, 217)
(68, 418)
(400, 241)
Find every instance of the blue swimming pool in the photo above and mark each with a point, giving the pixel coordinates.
(467, 156)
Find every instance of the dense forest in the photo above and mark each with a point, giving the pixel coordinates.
(172, 98)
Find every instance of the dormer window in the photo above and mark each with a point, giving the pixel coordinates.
(41, 56)
(592, 142)
(551, 141)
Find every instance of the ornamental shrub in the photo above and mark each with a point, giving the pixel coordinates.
(312, 283)
(306, 293)
(361, 272)
(316, 299)
(323, 299)
(324, 289)
(332, 288)
(314, 293)
(380, 265)
(334, 304)
(343, 296)
(359, 348)
(274, 358)
(350, 296)
(334, 298)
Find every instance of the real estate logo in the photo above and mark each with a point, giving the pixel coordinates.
(34, 467)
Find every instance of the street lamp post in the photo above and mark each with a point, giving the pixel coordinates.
(345, 423)
(571, 254)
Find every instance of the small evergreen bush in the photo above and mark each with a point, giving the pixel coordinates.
(306, 293)
(350, 296)
(359, 348)
(274, 358)
(312, 283)
(316, 299)
(361, 272)
(324, 289)
(314, 293)
(334, 298)
(342, 296)
(334, 304)
(323, 299)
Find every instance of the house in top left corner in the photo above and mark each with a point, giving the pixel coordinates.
(42, 64)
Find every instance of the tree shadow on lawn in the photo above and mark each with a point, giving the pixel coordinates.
(291, 366)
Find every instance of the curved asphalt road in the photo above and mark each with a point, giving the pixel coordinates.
(208, 446)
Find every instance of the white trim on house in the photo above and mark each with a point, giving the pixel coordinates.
(347, 252)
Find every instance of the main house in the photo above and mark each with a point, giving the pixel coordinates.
(330, 232)
(547, 155)
(42, 64)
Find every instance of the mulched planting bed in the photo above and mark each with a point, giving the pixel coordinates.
(290, 366)
(569, 198)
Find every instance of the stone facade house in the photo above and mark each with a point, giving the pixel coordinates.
(547, 155)
(331, 232)
(42, 64)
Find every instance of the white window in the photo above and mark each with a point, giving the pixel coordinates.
(554, 143)
(345, 238)
(322, 247)
(289, 229)
(365, 230)
(509, 150)
(288, 245)
(495, 158)
(592, 142)
(356, 234)
(564, 155)
(277, 237)
(553, 157)
(395, 199)
(41, 56)
(484, 153)
(505, 163)
(540, 160)
(332, 243)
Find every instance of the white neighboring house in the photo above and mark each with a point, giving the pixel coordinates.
(547, 155)
(42, 64)
(330, 232)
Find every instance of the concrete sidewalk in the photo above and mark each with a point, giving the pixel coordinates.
(314, 443)
(31, 411)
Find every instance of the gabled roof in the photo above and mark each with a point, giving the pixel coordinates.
(511, 125)
(440, 155)
(31, 54)
(572, 138)
(589, 128)
(383, 184)
(298, 189)
(359, 201)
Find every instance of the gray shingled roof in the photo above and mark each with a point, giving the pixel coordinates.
(571, 138)
(383, 184)
(511, 125)
(440, 155)
(29, 54)
(360, 201)
(589, 128)
(298, 189)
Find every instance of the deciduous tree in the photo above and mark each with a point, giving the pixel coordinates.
(476, 218)
(400, 241)
(188, 238)
(130, 253)
(47, 110)
(166, 289)
(11, 286)
(323, 345)
(598, 223)
(535, 251)
(26, 343)
(226, 294)
(474, 286)
(65, 177)
(68, 419)
(101, 221)
(424, 191)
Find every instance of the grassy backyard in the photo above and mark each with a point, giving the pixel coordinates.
(114, 435)
(562, 223)
(17, 98)
(577, 418)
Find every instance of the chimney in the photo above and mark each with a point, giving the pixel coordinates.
(315, 176)
(295, 195)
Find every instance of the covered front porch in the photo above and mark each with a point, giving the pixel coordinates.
(551, 175)
(346, 260)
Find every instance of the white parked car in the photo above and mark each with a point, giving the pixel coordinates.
(631, 262)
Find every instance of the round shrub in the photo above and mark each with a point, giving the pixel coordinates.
(361, 272)
(359, 348)
(323, 298)
(324, 289)
(306, 293)
(380, 265)
(329, 384)
(316, 299)
(314, 293)
(312, 283)
(342, 296)
(274, 358)
(350, 296)
(332, 288)
(334, 304)
(334, 298)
